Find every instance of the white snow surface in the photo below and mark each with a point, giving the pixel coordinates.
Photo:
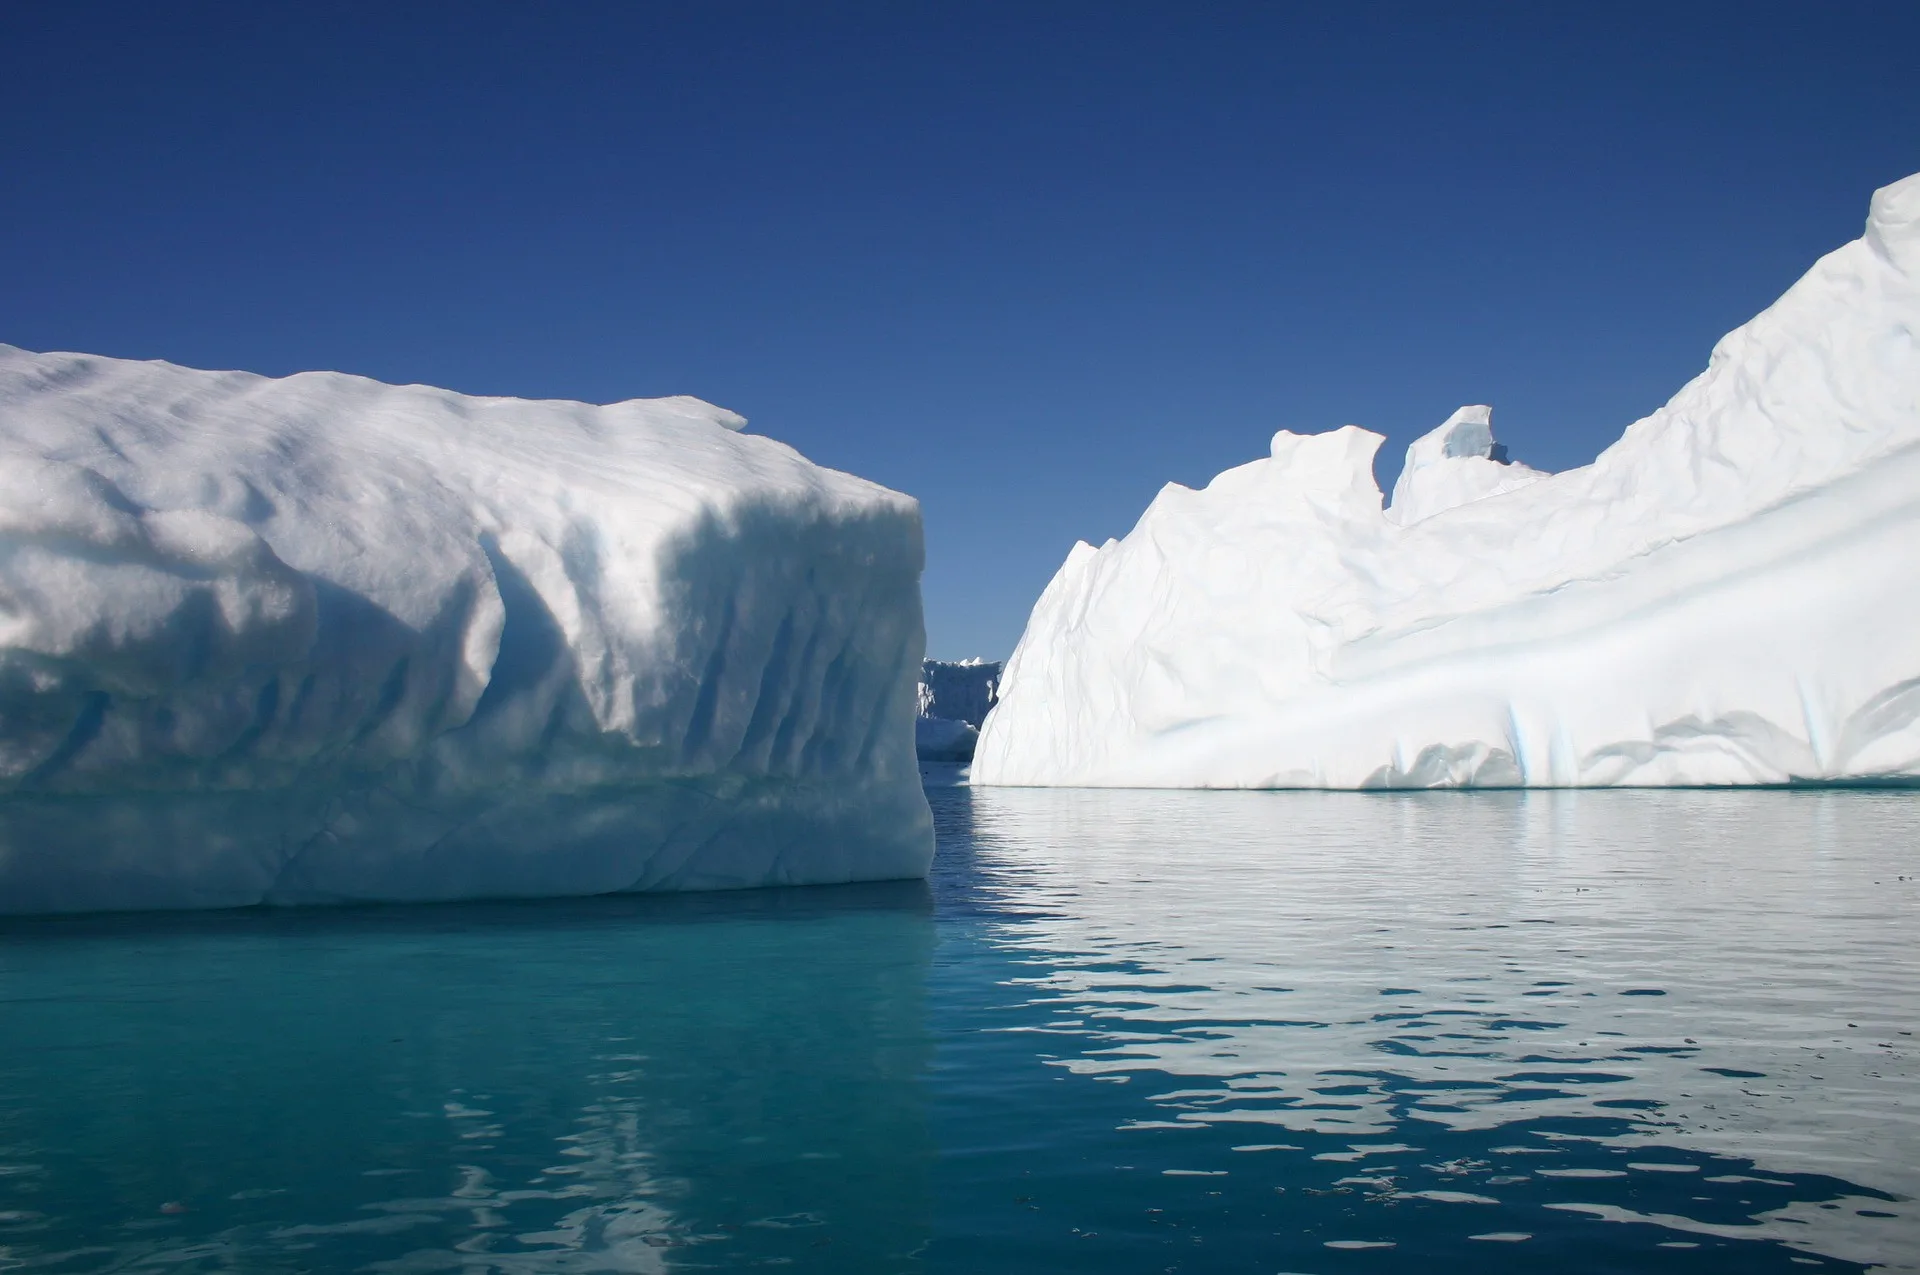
(322, 639)
(1725, 596)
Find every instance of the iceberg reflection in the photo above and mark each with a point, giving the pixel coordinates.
(588, 1085)
(1574, 990)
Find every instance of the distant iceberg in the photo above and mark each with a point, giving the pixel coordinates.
(323, 639)
(1725, 596)
(955, 698)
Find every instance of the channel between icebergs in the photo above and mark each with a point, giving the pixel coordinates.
(1723, 597)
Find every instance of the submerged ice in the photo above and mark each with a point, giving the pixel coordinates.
(1724, 596)
(322, 639)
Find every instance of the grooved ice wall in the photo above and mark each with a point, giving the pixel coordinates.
(322, 639)
(1725, 596)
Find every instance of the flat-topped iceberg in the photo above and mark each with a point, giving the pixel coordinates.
(1725, 596)
(323, 639)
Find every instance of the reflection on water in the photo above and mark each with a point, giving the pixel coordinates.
(1121, 1031)
(586, 1086)
(1693, 1011)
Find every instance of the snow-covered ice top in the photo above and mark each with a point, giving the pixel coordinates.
(1722, 597)
(320, 637)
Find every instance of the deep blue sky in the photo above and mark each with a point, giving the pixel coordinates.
(1025, 261)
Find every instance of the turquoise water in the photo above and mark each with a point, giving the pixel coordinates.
(1118, 1032)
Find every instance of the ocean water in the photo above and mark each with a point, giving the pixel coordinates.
(1117, 1032)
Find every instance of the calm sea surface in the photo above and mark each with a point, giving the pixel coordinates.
(1118, 1032)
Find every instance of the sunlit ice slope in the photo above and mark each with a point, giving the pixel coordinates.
(322, 639)
(1725, 596)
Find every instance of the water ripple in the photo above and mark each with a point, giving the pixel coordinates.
(1642, 985)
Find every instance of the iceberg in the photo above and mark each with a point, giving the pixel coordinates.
(959, 690)
(955, 698)
(1723, 597)
(321, 639)
(944, 739)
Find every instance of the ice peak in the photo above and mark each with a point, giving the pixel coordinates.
(1338, 462)
(1456, 463)
(1893, 222)
(682, 405)
(1468, 432)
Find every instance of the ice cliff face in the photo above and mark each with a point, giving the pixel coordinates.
(322, 639)
(1724, 596)
(955, 698)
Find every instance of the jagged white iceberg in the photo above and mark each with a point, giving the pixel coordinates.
(323, 639)
(1725, 596)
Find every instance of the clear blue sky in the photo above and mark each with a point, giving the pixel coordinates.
(1025, 261)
